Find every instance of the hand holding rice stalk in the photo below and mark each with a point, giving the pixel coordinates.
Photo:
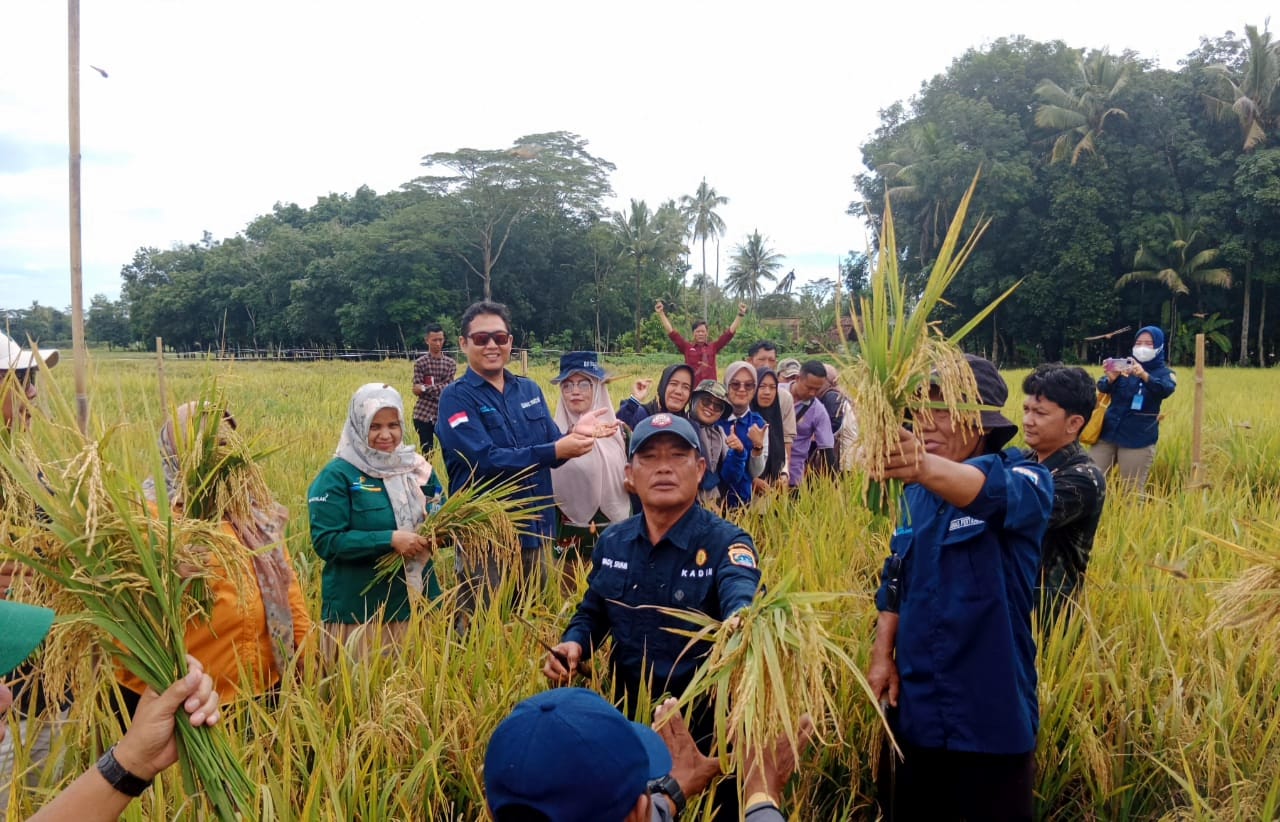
(134, 575)
(903, 353)
(491, 511)
(769, 664)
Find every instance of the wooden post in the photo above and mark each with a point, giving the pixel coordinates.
(1197, 419)
(164, 394)
(524, 362)
(79, 351)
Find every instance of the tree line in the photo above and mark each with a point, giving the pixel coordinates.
(1121, 194)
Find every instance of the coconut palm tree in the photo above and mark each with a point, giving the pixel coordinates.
(1253, 98)
(705, 223)
(647, 238)
(1176, 264)
(752, 262)
(1080, 114)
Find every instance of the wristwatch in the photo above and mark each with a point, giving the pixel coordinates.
(119, 778)
(669, 787)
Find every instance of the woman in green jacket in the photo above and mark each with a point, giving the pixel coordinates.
(368, 501)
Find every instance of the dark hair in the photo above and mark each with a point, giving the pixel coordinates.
(485, 307)
(814, 368)
(1069, 386)
(761, 345)
(698, 324)
(433, 328)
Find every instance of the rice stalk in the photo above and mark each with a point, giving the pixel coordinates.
(903, 352)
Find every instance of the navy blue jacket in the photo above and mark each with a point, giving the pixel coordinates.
(737, 492)
(963, 584)
(486, 435)
(703, 564)
(1130, 427)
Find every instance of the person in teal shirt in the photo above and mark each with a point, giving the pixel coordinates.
(368, 501)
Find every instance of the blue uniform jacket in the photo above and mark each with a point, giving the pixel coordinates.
(1130, 427)
(487, 435)
(963, 584)
(703, 564)
(737, 491)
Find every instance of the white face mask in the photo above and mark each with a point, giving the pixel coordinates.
(1144, 353)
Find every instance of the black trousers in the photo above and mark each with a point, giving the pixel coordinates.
(426, 435)
(933, 784)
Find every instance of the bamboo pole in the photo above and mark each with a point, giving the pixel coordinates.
(80, 353)
(1197, 419)
(164, 394)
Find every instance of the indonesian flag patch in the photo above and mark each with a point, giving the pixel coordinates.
(458, 419)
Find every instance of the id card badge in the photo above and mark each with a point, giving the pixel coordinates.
(1136, 405)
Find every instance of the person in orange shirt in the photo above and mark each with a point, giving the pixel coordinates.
(258, 617)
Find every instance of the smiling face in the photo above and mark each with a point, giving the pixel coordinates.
(576, 392)
(386, 432)
(707, 409)
(679, 388)
(741, 387)
(488, 359)
(665, 472)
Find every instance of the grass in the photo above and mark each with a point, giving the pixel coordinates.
(1152, 707)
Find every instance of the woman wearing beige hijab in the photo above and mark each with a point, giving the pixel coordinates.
(588, 489)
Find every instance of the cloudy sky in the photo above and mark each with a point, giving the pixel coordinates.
(213, 112)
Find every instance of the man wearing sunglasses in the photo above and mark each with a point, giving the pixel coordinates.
(496, 426)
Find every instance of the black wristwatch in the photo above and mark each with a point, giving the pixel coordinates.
(119, 778)
(669, 787)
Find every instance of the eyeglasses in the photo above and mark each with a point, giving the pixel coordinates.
(577, 385)
(742, 386)
(482, 338)
(711, 402)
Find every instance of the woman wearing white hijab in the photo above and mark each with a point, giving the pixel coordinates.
(587, 489)
(368, 501)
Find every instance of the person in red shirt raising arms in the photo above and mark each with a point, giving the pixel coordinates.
(700, 354)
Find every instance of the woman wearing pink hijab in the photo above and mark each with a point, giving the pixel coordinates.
(588, 489)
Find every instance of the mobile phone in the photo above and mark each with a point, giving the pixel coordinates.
(1115, 363)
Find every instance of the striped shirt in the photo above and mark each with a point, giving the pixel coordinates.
(435, 373)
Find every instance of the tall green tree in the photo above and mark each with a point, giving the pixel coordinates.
(704, 223)
(1079, 114)
(646, 239)
(1251, 96)
(753, 262)
(492, 190)
(1177, 262)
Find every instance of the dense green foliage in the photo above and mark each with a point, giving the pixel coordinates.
(1122, 192)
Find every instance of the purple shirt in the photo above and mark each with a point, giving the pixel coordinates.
(814, 427)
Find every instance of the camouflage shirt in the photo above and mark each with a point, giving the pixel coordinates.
(1079, 490)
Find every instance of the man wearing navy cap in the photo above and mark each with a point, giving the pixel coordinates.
(567, 755)
(954, 658)
(673, 554)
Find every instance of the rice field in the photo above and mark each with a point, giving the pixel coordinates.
(1153, 705)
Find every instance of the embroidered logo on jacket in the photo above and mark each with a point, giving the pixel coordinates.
(964, 522)
(363, 484)
(741, 554)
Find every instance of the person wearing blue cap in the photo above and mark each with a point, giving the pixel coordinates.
(954, 657)
(147, 748)
(567, 755)
(588, 489)
(673, 554)
(1137, 385)
(495, 426)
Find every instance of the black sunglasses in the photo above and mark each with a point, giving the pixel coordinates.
(482, 338)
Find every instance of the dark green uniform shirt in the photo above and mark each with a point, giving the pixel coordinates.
(351, 525)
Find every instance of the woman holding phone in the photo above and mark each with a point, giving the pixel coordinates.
(1138, 386)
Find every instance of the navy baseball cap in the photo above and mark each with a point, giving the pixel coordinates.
(573, 757)
(22, 629)
(663, 423)
(580, 362)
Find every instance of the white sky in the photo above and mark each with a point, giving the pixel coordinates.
(213, 112)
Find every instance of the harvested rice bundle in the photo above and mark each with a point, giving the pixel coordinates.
(902, 352)
(110, 561)
(1251, 602)
(488, 512)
